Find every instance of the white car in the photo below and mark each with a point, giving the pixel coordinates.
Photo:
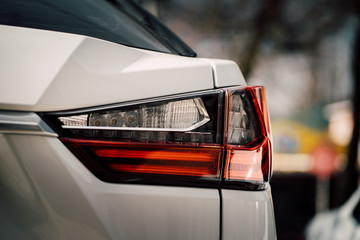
(342, 223)
(112, 128)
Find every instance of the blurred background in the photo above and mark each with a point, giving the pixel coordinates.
(306, 54)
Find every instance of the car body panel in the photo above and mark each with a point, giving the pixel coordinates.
(65, 65)
(30, 59)
(226, 73)
(247, 215)
(50, 195)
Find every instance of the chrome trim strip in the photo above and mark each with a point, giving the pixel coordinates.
(24, 123)
(202, 122)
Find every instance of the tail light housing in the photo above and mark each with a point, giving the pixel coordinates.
(248, 148)
(209, 138)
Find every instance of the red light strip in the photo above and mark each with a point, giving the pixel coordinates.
(244, 165)
(167, 159)
(168, 170)
(169, 154)
(170, 161)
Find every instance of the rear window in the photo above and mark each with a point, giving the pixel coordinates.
(118, 21)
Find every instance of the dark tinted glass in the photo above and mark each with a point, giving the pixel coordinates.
(119, 21)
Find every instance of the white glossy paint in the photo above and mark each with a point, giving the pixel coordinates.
(248, 215)
(45, 71)
(226, 73)
(29, 61)
(48, 71)
(48, 194)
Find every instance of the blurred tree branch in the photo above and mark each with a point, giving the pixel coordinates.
(267, 15)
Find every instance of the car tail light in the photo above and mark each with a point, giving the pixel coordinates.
(248, 137)
(206, 138)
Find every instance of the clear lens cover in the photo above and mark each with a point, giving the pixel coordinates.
(181, 116)
(243, 125)
(183, 119)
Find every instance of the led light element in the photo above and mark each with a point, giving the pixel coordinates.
(242, 119)
(75, 121)
(139, 158)
(248, 165)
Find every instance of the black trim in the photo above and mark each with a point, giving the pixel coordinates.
(247, 186)
(118, 21)
(221, 214)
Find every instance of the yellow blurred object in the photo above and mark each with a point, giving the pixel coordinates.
(295, 144)
(305, 138)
